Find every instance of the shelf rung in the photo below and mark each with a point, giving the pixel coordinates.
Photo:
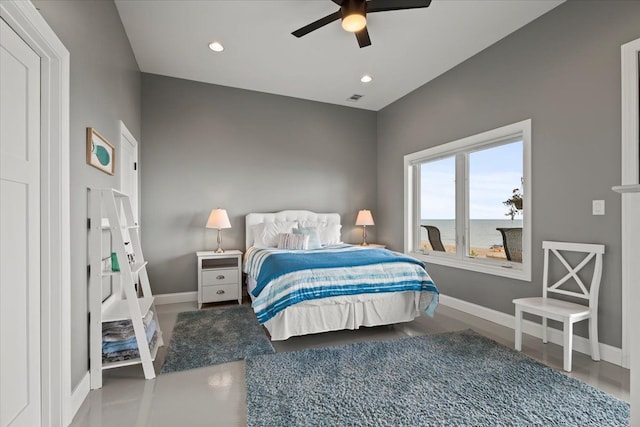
(111, 365)
(138, 266)
(117, 193)
(135, 268)
(107, 273)
(124, 227)
(119, 309)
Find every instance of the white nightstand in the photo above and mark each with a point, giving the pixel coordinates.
(219, 276)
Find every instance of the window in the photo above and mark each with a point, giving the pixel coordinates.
(467, 203)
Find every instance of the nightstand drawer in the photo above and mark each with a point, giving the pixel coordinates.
(220, 276)
(219, 293)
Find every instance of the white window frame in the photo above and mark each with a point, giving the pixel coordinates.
(515, 270)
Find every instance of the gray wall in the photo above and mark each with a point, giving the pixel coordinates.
(105, 88)
(208, 146)
(563, 72)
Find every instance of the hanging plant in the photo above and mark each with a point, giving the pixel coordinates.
(514, 203)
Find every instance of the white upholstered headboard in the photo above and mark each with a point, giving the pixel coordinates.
(290, 215)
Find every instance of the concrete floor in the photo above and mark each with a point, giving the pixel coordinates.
(216, 395)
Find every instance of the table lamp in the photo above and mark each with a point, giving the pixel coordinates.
(219, 219)
(364, 218)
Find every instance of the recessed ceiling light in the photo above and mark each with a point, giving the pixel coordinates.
(366, 78)
(216, 46)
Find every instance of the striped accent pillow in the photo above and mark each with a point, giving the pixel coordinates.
(293, 241)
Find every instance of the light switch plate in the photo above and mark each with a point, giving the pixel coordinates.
(598, 207)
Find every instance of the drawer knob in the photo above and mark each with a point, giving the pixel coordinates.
(220, 292)
(220, 277)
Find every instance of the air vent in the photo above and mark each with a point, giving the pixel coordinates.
(355, 97)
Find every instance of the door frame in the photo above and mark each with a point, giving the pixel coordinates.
(54, 308)
(630, 176)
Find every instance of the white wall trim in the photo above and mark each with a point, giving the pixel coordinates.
(23, 17)
(80, 393)
(607, 353)
(162, 299)
(630, 171)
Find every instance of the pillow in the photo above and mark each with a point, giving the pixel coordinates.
(265, 235)
(329, 234)
(293, 241)
(312, 233)
(307, 223)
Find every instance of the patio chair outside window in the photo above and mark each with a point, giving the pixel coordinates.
(512, 242)
(433, 233)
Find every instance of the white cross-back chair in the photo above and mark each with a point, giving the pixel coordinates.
(564, 311)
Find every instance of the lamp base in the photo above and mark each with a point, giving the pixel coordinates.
(219, 250)
(364, 236)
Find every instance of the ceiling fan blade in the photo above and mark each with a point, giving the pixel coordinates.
(385, 5)
(317, 24)
(338, 2)
(363, 38)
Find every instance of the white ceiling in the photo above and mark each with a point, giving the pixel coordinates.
(409, 48)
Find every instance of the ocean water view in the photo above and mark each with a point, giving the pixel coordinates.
(483, 233)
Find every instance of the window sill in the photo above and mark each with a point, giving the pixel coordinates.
(503, 269)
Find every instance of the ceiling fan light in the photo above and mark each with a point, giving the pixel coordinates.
(354, 22)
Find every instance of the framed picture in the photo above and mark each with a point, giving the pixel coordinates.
(100, 153)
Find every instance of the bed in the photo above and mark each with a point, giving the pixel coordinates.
(293, 295)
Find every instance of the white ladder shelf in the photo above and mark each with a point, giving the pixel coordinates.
(123, 303)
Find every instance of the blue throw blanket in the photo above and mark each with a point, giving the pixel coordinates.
(279, 264)
(128, 344)
(285, 278)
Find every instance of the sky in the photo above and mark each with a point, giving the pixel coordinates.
(493, 174)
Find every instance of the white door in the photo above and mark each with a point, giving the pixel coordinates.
(129, 168)
(19, 231)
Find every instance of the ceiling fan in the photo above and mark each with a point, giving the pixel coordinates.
(353, 14)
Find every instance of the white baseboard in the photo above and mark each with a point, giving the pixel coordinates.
(78, 395)
(162, 299)
(608, 353)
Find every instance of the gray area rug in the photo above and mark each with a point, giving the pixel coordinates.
(208, 337)
(451, 379)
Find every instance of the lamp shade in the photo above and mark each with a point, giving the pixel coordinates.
(218, 218)
(364, 218)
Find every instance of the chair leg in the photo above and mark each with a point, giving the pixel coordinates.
(518, 337)
(544, 330)
(568, 344)
(593, 338)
